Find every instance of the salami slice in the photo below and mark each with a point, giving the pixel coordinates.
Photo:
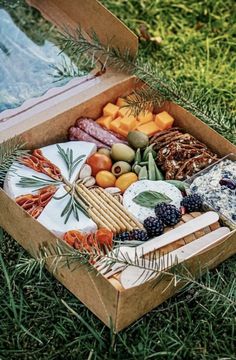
(95, 130)
(76, 133)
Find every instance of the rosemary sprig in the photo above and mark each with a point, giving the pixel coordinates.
(74, 204)
(36, 182)
(68, 157)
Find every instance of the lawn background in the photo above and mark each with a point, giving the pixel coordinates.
(198, 47)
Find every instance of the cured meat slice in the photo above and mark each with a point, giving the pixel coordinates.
(95, 130)
(39, 163)
(76, 133)
(34, 204)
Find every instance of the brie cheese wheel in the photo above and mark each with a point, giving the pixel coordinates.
(12, 179)
(51, 217)
(141, 212)
(78, 148)
(18, 170)
(51, 214)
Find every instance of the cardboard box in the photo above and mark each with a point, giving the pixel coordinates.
(47, 124)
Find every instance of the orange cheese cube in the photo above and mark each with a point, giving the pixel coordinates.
(149, 128)
(164, 120)
(110, 110)
(124, 111)
(122, 132)
(128, 123)
(121, 102)
(105, 121)
(115, 124)
(145, 116)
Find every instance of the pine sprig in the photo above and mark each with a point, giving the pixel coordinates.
(161, 88)
(61, 255)
(10, 151)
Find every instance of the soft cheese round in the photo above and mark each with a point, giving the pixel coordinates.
(51, 217)
(141, 212)
(51, 214)
(17, 170)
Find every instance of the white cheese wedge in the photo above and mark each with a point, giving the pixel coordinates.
(78, 147)
(12, 179)
(51, 215)
(51, 153)
(141, 212)
(52, 220)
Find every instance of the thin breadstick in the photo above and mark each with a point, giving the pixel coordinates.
(106, 224)
(97, 220)
(97, 206)
(120, 208)
(110, 213)
(114, 213)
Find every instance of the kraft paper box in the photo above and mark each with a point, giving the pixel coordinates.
(47, 122)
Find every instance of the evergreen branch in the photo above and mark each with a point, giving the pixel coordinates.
(68, 69)
(161, 87)
(10, 151)
(62, 255)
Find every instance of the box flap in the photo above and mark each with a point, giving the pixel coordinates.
(89, 15)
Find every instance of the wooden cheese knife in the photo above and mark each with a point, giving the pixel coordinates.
(134, 276)
(131, 253)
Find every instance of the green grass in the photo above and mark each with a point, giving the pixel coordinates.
(198, 47)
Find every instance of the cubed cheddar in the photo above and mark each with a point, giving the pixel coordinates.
(110, 110)
(121, 102)
(105, 121)
(115, 126)
(164, 120)
(124, 111)
(123, 132)
(128, 123)
(149, 128)
(145, 116)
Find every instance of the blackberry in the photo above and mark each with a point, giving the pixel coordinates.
(192, 202)
(123, 236)
(154, 226)
(169, 214)
(140, 235)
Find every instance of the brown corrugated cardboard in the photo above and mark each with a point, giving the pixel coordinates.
(44, 125)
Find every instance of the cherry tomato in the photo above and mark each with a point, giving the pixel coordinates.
(105, 179)
(125, 180)
(99, 162)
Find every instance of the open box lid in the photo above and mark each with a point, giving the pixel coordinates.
(88, 15)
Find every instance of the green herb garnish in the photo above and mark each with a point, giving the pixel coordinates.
(74, 204)
(150, 199)
(36, 182)
(68, 157)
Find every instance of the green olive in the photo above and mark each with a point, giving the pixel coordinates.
(120, 167)
(122, 152)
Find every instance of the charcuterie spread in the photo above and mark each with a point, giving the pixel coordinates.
(121, 178)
